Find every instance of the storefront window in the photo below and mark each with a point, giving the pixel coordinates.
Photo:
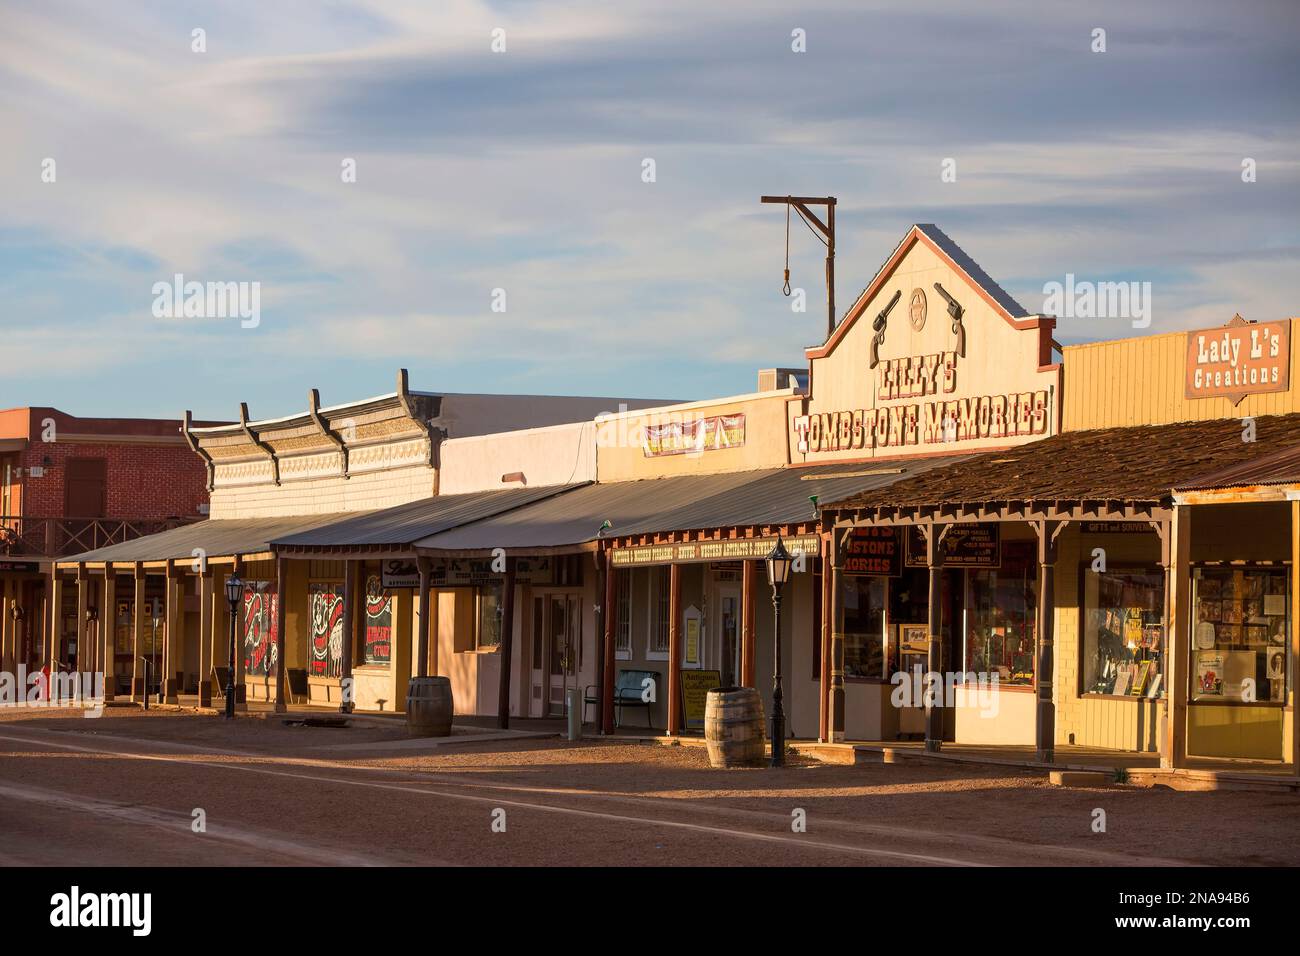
(489, 615)
(1239, 637)
(864, 627)
(379, 622)
(1000, 608)
(1123, 632)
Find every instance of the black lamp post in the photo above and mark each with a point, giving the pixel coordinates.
(16, 612)
(86, 655)
(234, 591)
(155, 612)
(779, 563)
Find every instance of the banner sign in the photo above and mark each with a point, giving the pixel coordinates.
(695, 694)
(325, 643)
(1239, 359)
(693, 437)
(379, 622)
(466, 572)
(739, 549)
(964, 546)
(873, 552)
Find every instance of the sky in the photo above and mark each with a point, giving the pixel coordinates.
(524, 170)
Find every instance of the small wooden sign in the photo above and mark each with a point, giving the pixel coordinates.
(873, 552)
(964, 546)
(1239, 359)
(696, 685)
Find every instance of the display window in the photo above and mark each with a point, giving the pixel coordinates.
(1123, 643)
(1240, 634)
(1001, 604)
(864, 627)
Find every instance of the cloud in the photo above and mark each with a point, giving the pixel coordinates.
(522, 171)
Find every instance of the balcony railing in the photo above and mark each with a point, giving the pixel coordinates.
(22, 537)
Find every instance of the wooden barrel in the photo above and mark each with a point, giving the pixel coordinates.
(429, 707)
(733, 727)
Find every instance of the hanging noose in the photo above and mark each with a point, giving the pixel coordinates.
(785, 289)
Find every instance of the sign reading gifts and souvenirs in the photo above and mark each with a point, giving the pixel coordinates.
(964, 546)
(693, 437)
(738, 549)
(1239, 359)
(873, 552)
(923, 410)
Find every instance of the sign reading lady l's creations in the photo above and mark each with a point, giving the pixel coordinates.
(964, 546)
(1239, 359)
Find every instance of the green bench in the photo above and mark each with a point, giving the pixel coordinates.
(628, 691)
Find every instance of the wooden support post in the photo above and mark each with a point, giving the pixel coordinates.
(54, 612)
(281, 660)
(174, 647)
(434, 634)
(83, 605)
(611, 623)
(353, 619)
(674, 649)
(218, 627)
(934, 659)
(748, 621)
(1177, 666)
(1045, 625)
(1293, 711)
(837, 703)
(205, 628)
(507, 643)
(241, 689)
(138, 687)
(108, 633)
(8, 655)
(423, 648)
(824, 671)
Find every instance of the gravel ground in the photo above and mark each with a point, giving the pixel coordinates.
(318, 795)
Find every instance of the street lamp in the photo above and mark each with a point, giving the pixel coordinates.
(778, 573)
(87, 654)
(16, 612)
(155, 609)
(234, 591)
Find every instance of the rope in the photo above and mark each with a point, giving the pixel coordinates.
(785, 289)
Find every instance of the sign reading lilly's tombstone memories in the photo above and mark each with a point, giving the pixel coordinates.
(1239, 359)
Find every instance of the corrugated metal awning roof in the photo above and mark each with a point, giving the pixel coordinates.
(774, 496)
(1279, 468)
(402, 525)
(217, 538)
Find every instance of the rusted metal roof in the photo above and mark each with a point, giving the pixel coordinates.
(1280, 468)
(1139, 464)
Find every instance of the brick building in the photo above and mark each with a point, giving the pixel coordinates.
(68, 484)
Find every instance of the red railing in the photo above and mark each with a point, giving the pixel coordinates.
(59, 537)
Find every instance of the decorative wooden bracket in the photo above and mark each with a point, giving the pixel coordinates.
(186, 425)
(313, 409)
(252, 437)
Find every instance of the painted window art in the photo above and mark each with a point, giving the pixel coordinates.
(325, 649)
(260, 652)
(379, 622)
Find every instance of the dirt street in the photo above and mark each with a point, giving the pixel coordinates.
(128, 789)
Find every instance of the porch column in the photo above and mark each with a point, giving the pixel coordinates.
(934, 658)
(8, 652)
(1176, 638)
(353, 597)
(674, 649)
(281, 682)
(108, 633)
(824, 656)
(1045, 625)
(241, 690)
(610, 614)
(1294, 711)
(138, 687)
(836, 703)
(54, 611)
(218, 653)
(507, 643)
(83, 605)
(173, 645)
(422, 638)
(748, 591)
(205, 628)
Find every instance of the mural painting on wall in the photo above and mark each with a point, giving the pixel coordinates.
(260, 651)
(326, 645)
(379, 622)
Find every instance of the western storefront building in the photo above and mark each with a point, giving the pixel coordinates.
(1051, 531)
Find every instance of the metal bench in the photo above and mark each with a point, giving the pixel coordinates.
(628, 691)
